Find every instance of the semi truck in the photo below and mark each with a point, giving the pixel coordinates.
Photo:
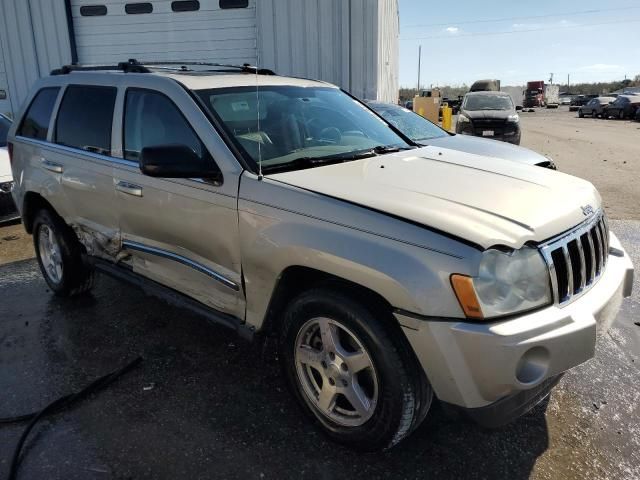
(534, 94)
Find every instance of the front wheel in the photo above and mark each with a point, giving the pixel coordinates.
(621, 115)
(352, 372)
(59, 255)
(580, 114)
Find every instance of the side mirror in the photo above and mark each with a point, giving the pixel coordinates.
(177, 161)
(518, 107)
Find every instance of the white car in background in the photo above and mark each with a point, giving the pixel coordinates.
(8, 210)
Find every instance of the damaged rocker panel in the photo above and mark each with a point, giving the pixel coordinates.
(182, 260)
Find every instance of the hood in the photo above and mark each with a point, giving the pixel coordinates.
(488, 114)
(483, 200)
(5, 166)
(488, 148)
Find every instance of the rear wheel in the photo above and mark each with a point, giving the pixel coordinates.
(352, 372)
(59, 255)
(621, 115)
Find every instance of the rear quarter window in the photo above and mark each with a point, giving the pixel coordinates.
(85, 117)
(35, 123)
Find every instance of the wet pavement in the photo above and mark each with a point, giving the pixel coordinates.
(205, 404)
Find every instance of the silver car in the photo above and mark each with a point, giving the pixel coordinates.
(425, 133)
(391, 274)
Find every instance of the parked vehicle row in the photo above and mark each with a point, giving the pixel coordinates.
(621, 107)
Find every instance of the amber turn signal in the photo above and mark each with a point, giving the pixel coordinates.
(466, 294)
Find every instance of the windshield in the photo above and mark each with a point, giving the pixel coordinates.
(295, 124)
(5, 124)
(487, 102)
(414, 126)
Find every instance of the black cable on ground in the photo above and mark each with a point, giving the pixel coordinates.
(58, 405)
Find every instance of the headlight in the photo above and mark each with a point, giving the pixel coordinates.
(513, 118)
(462, 118)
(6, 187)
(507, 283)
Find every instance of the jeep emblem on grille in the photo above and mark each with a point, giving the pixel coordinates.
(587, 210)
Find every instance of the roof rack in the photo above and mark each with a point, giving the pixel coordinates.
(135, 66)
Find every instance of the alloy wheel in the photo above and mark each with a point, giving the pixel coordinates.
(50, 253)
(336, 372)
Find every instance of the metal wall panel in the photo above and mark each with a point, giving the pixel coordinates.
(208, 34)
(308, 38)
(338, 41)
(33, 40)
(388, 50)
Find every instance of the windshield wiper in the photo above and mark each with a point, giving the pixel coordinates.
(310, 162)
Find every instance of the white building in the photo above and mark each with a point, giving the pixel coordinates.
(352, 43)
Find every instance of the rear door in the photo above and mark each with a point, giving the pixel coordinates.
(182, 233)
(82, 158)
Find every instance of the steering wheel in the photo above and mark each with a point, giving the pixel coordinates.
(330, 134)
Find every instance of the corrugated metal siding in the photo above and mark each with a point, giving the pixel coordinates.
(34, 39)
(209, 34)
(388, 50)
(308, 38)
(5, 105)
(338, 41)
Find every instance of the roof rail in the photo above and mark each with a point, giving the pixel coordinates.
(135, 66)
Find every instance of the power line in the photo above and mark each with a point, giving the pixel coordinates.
(507, 19)
(510, 32)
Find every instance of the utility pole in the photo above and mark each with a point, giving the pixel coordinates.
(551, 78)
(567, 81)
(419, 60)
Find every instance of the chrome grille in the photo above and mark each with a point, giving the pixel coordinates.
(577, 259)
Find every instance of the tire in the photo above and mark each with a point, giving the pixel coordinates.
(398, 393)
(604, 115)
(59, 255)
(580, 114)
(621, 115)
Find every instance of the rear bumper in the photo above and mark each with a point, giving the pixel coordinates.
(474, 365)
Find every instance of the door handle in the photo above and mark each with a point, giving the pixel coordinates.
(51, 166)
(129, 188)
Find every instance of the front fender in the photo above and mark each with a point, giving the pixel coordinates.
(283, 226)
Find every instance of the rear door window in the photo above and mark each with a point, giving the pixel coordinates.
(36, 121)
(85, 118)
(151, 119)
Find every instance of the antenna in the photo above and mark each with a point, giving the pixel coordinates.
(260, 176)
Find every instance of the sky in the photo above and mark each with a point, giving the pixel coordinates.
(517, 41)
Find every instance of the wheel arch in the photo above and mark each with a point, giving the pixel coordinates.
(31, 204)
(296, 279)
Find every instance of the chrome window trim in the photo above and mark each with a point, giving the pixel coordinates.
(65, 148)
(598, 263)
(128, 244)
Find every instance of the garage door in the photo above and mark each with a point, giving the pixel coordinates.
(110, 31)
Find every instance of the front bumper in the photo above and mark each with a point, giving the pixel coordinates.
(8, 210)
(473, 365)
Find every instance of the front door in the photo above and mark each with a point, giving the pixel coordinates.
(182, 233)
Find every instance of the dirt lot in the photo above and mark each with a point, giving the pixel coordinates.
(605, 152)
(204, 404)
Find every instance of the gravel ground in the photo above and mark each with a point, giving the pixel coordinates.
(205, 404)
(605, 152)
